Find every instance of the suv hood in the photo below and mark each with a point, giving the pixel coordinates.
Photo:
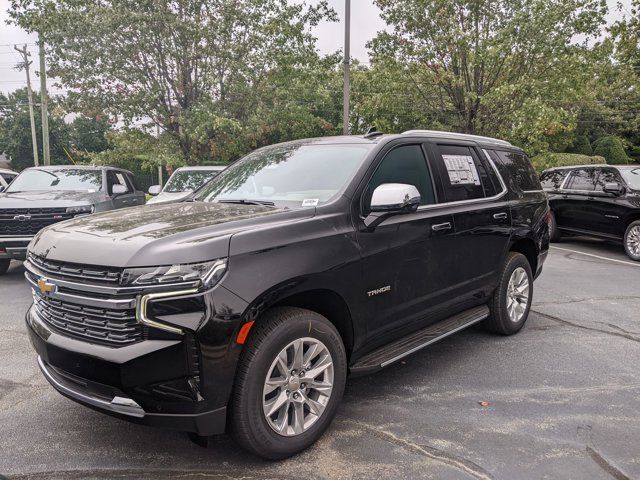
(156, 234)
(48, 199)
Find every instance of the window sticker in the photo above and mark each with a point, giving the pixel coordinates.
(462, 169)
(310, 202)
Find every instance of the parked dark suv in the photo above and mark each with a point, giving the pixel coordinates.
(596, 200)
(245, 307)
(42, 196)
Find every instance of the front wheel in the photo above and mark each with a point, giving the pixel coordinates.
(632, 241)
(4, 265)
(511, 300)
(290, 381)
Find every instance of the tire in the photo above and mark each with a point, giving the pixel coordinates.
(554, 233)
(632, 241)
(4, 265)
(283, 328)
(499, 320)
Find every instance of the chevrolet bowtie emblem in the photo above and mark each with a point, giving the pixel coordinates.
(45, 287)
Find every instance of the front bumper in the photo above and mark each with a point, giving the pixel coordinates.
(181, 383)
(14, 248)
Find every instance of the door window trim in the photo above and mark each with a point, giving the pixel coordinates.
(493, 198)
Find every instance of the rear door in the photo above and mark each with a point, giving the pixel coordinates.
(475, 194)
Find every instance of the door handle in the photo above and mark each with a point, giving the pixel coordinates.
(500, 216)
(441, 227)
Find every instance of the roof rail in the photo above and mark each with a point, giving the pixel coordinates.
(458, 136)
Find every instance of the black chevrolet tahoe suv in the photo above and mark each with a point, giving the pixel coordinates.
(601, 201)
(244, 308)
(42, 196)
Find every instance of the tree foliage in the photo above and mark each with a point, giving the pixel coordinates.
(612, 149)
(197, 69)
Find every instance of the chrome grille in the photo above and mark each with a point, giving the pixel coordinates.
(29, 221)
(110, 327)
(90, 273)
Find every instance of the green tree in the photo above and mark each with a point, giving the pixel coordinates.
(193, 68)
(612, 149)
(15, 130)
(581, 146)
(507, 68)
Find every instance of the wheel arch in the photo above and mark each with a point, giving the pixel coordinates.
(527, 247)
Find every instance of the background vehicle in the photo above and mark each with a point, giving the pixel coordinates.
(6, 177)
(245, 309)
(182, 183)
(42, 196)
(596, 200)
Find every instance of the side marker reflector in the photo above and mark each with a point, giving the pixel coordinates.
(244, 332)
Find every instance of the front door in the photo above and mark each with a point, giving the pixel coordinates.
(609, 210)
(407, 263)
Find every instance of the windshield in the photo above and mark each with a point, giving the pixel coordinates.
(293, 174)
(36, 179)
(188, 180)
(632, 176)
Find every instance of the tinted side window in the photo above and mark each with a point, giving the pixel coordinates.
(462, 173)
(7, 178)
(582, 179)
(405, 164)
(520, 169)
(553, 180)
(607, 176)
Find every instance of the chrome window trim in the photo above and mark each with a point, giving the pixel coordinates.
(15, 239)
(493, 198)
(143, 302)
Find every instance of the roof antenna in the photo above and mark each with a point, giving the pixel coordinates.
(372, 132)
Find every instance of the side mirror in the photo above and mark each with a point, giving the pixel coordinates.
(119, 189)
(391, 199)
(155, 190)
(614, 188)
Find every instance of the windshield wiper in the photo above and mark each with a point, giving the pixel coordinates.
(244, 201)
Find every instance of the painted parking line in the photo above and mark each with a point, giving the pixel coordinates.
(633, 264)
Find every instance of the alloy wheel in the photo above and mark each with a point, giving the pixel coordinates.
(517, 294)
(298, 386)
(633, 241)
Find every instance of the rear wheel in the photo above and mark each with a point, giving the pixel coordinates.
(290, 382)
(632, 241)
(554, 233)
(511, 300)
(4, 265)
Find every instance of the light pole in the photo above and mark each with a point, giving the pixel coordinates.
(347, 61)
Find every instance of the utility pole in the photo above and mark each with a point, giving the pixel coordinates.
(26, 64)
(44, 99)
(347, 62)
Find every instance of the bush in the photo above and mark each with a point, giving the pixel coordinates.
(582, 146)
(612, 148)
(549, 160)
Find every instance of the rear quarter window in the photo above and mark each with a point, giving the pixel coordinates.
(518, 167)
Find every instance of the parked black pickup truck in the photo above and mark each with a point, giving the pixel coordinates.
(244, 308)
(601, 201)
(42, 196)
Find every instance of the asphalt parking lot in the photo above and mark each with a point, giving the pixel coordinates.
(563, 400)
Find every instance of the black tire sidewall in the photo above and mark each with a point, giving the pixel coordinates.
(4, 265)
(554, 233)
(626, 234)
(500, 321)
(263, 440)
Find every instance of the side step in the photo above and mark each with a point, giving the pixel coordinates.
(394, 351)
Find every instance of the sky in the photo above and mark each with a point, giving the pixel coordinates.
(365, 23)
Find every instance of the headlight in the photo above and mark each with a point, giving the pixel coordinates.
(209, 273)
(80, 209)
